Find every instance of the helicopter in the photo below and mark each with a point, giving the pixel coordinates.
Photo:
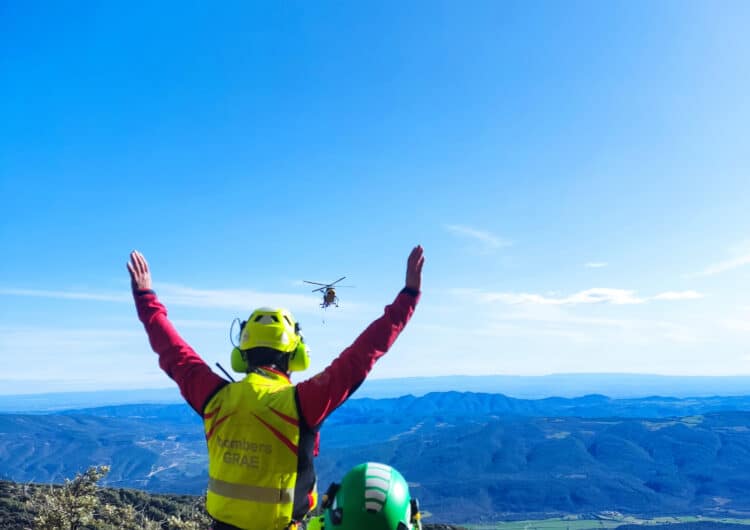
(328, 291)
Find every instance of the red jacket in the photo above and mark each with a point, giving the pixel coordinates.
(317, 397)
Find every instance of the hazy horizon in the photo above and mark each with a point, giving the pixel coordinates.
(615, 386)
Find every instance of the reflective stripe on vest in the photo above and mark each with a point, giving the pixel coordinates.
(244, 492)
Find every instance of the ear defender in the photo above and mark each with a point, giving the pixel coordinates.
(238, 361)
(299, 359)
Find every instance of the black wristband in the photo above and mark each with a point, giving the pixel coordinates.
(409, 290)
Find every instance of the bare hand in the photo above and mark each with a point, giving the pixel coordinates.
(140, 277)
(414, 268)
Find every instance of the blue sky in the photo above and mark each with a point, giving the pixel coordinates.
(577, 173)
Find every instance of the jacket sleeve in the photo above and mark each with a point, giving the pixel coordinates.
(197, 382)
(320, 395)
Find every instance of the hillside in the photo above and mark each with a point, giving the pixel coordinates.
(19, 504)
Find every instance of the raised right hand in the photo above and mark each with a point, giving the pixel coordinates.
(140, 277)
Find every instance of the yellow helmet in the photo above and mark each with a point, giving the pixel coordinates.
(275, 329)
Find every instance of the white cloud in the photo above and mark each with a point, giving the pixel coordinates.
(678, 295)
(597, 295)
(596, 264)
(724, 266)
(68, 295)
(603, 295)
(488, 240)
(538, 321)
(570, 317)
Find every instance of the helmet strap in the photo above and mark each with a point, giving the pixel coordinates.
(330, 495)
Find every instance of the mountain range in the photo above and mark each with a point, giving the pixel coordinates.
(469, 457)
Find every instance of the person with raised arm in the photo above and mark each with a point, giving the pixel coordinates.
(262, 432)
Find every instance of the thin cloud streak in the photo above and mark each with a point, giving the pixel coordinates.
(577, 329)
(67, 295)
(596, 264)
(678, 295)
(244, 300)
(236, 299)
(487, 239)
(723, 266)
(185, 296)
(598, 295)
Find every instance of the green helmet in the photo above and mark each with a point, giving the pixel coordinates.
(371, 497)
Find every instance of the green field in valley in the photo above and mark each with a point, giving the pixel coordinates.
(594, 524)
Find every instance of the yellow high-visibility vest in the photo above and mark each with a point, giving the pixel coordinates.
(253, 433)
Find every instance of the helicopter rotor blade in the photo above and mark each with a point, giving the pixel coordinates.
(316, 283)
(337, 281)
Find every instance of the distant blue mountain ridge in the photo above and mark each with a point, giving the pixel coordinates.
(526, 387)
(455, 406)
(468, 456)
